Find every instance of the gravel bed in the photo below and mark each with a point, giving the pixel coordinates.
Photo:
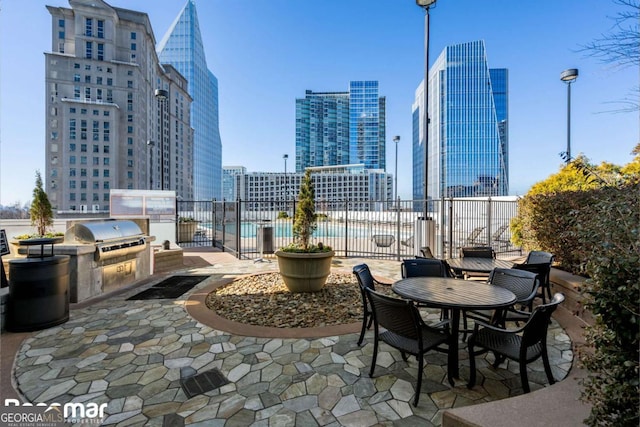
(264, 300)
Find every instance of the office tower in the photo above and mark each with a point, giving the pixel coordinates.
(182, 47)
(339, 128)
(468, 129)
(108, 124)
(231, 187)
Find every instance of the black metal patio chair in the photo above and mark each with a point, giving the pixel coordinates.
(365, 281)
(404, 330)
(524, 345)
(524, 284)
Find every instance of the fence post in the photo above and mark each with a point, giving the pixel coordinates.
(238, 207)
(489, 231)
(398, 228)
(450, 230)
(346, 228)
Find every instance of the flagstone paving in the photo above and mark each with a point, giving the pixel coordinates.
(132, 355)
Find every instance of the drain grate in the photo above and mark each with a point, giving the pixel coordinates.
(203, 382)
(170, 288)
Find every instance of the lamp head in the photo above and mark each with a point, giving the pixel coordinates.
(569, 75)
(161, 94)
(425, 3)
(286, 156)
(396, 138)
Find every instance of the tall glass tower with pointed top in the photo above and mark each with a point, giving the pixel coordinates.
(182, 47)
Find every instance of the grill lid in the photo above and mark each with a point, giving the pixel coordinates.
(103, 231)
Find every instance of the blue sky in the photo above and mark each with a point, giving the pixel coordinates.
(265, 54)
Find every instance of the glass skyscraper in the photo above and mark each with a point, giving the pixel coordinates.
(182, 48)
(468, 151)
(339, 128)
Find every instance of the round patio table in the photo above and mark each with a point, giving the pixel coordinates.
(455, 295)
(478, 265)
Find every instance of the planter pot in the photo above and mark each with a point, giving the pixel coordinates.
(304, 272)
(186, 231)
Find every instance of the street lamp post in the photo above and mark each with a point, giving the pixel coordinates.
(150, 144)
(396, 139)
(162, 96)
(426, 5)
(569, 76)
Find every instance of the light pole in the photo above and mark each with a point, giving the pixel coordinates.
(569, 76)
(426, 5)
(150, 144)
(286, 184)
(396, 139)
(162, 96)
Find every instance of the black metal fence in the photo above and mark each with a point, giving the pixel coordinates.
(252, 229)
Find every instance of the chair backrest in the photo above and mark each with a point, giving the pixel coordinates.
(539, 257)
(477, 252)
(499, 232)
(535, 330)
(543, 271)
(473, 236)
(396, 315)
(524, 284)
(383, 240)
(423, 267)
(364, 277)
(425, 251)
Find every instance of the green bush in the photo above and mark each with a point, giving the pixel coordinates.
(589, 218)
(283, 215)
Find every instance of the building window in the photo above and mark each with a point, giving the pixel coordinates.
(130, 84)
(129, 72)
(99, 80)
(76, 66)
(72, 184)
(130, 174)
(87, 67)
(96, 148)
(109, 81)
(96, 131)
(83, 197)
(83, 172)
(61, 23)
(109, 95)
(72, 129)
(72, 147)
(87, 93)
(96, 173)
(72, 110)
(130, 163)
(76, 92)
(96, 161)
(83, 148)
(72, 197)
(105, 161)
(72, 160)
(83, 184)
(83, 160)
(100, 29)
(105, 173)
(129, 141)
(133, 46)
(61, 34)
(130, 117)
(100, 51)
(105, 149)
(96, 185)
(105, 197)
(133, 35)
(130, 152)
(87, 79)
(88, 27)
(129, 129)
(83, 129)
(105, 185)
(72, 172)
(88, 50)
(105, 131)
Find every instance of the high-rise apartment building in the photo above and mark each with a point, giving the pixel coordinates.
(468, 144)
(339, 128)
(182, 47)
(231, 187)
(114, 117)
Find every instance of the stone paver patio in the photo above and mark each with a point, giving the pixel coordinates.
(132, 356)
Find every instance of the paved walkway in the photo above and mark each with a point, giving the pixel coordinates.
(140, 358)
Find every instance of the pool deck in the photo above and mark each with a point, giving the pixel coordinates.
(135, 356)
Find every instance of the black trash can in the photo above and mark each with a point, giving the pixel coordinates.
(38, 293)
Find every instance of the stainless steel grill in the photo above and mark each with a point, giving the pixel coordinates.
(112, 238)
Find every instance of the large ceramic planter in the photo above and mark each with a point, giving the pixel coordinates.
(304, 272)
(186, 231)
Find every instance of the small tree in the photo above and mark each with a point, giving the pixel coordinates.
(304, 223)
(41, 212)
